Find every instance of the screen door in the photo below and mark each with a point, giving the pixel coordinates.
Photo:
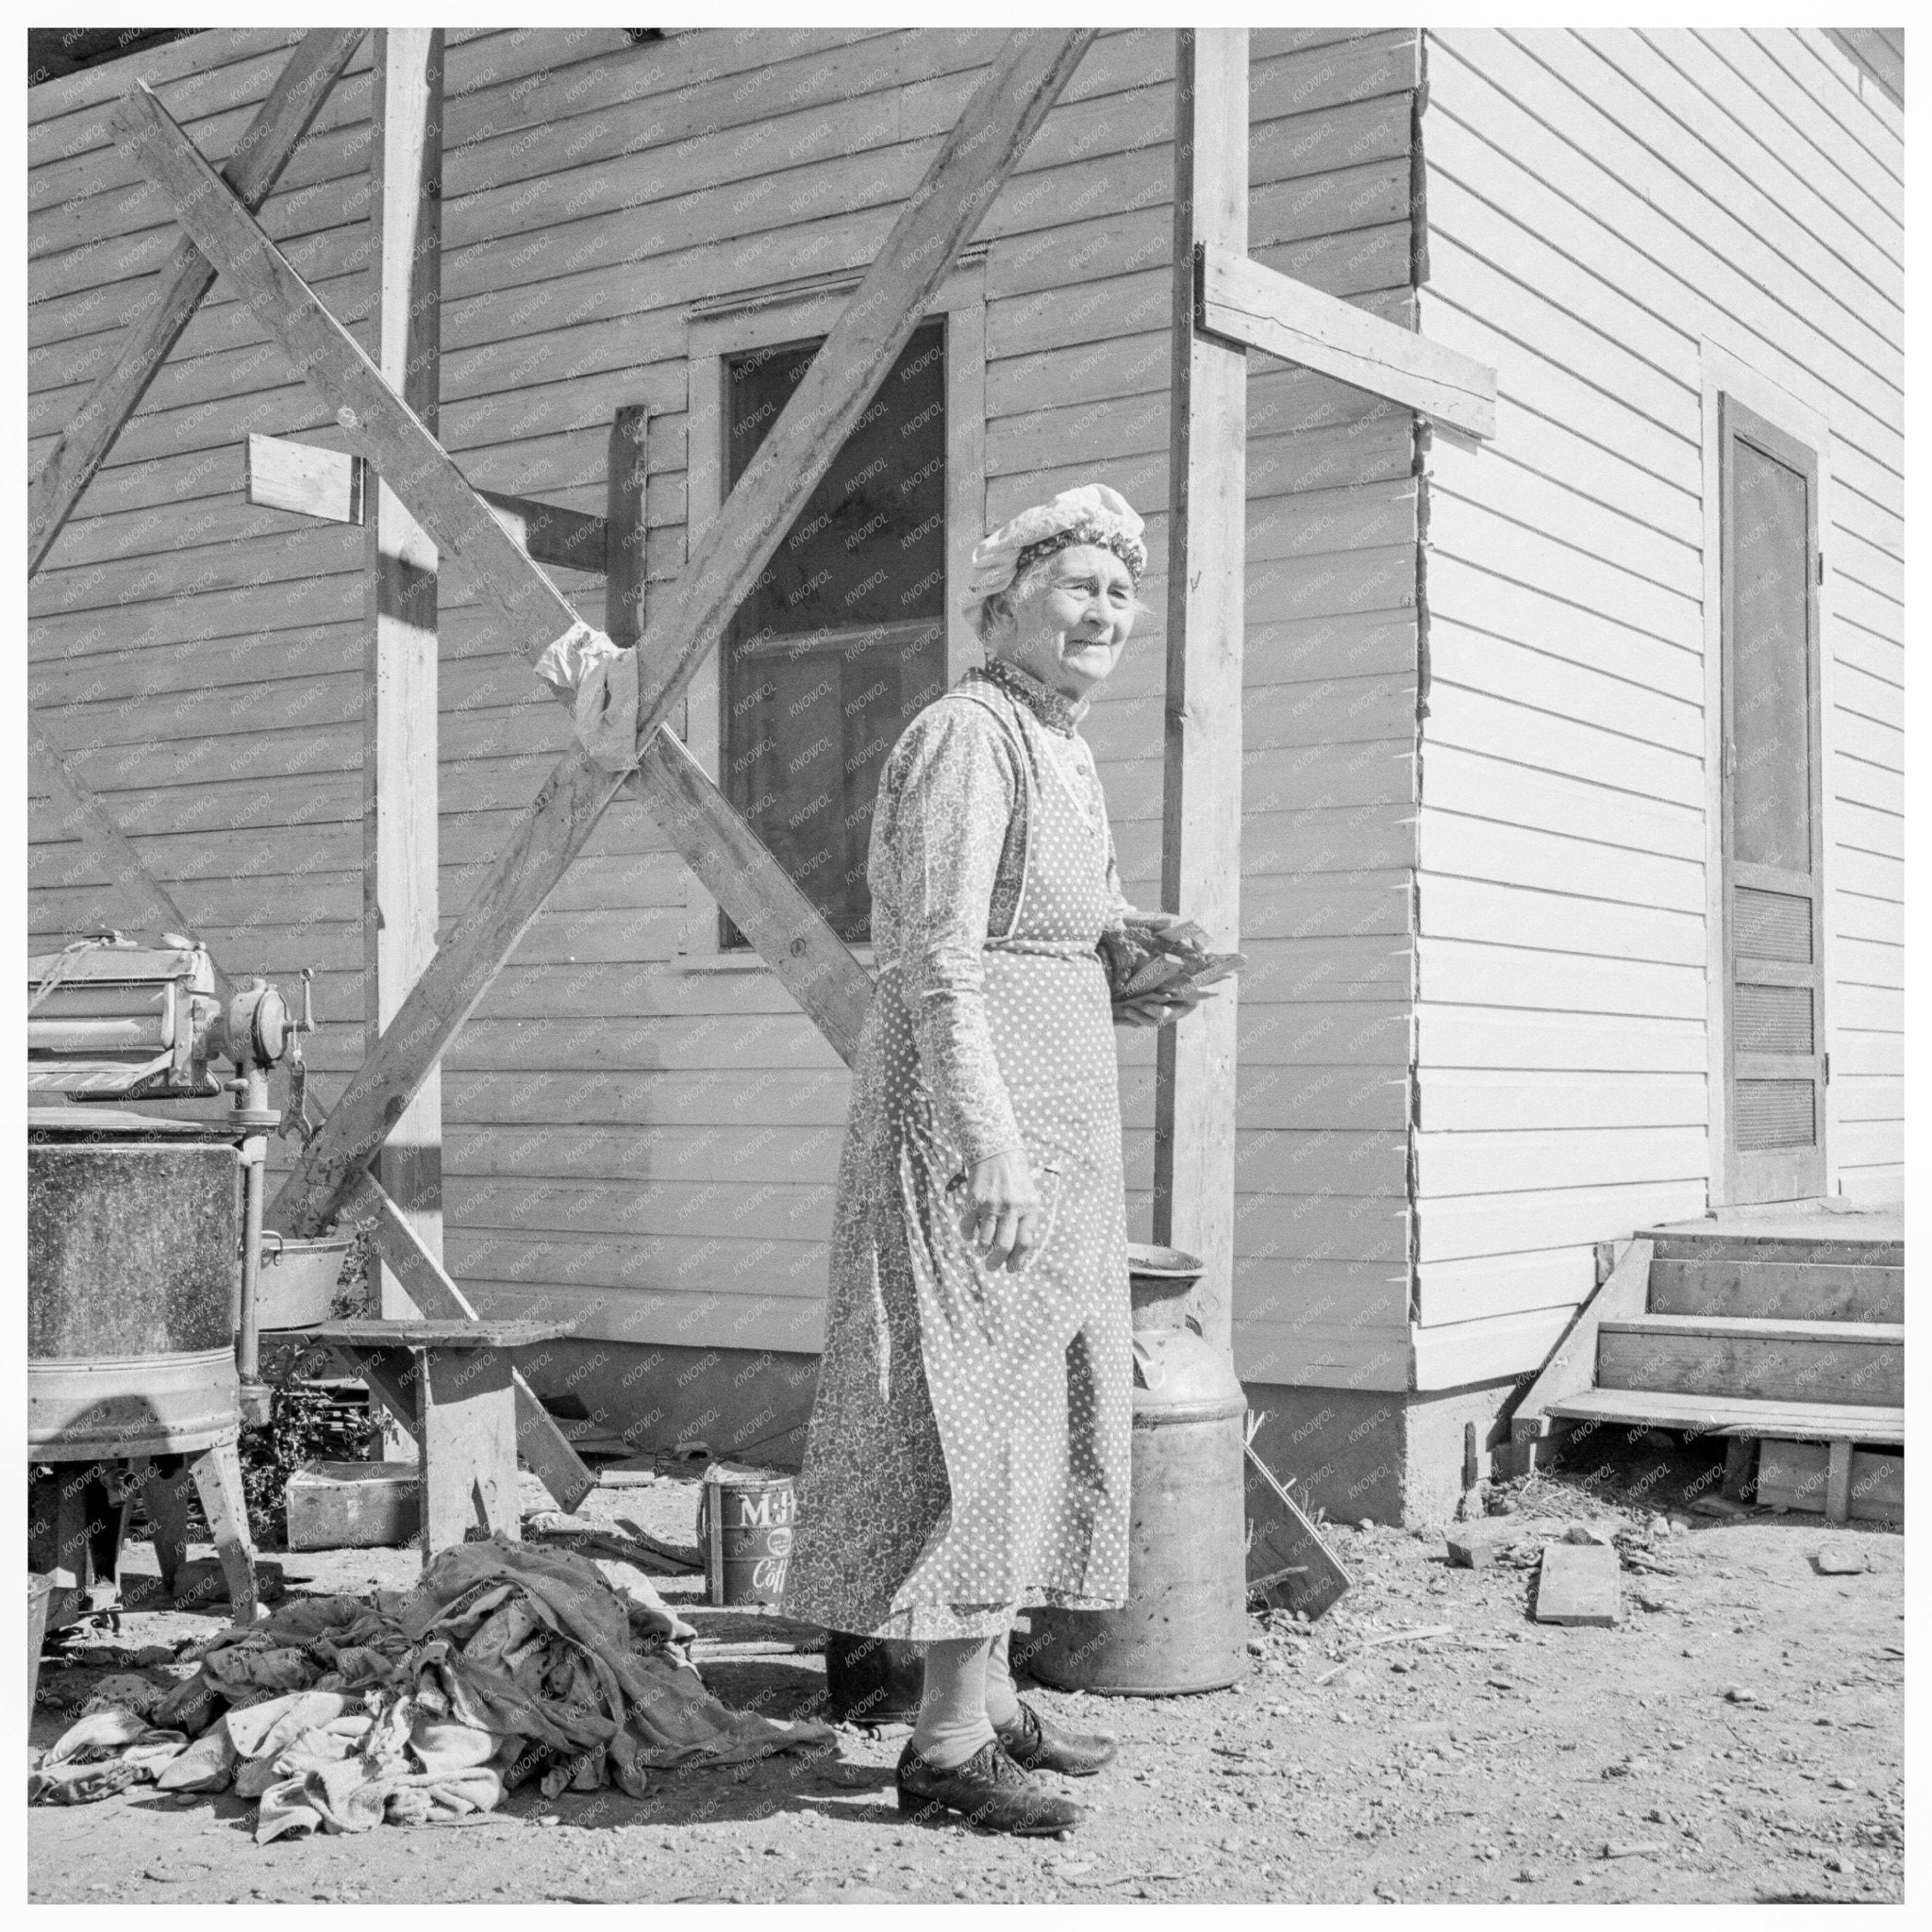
(1774, 847)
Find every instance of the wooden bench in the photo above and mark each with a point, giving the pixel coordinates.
(450, 1385)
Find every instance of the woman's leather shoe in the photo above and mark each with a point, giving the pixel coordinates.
(1034, 1744)
(989, 1791)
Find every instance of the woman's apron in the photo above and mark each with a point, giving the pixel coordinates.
(1029, 1373)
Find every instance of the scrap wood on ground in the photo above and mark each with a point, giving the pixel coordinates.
(505, 1663)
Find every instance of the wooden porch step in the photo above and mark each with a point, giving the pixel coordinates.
(1845, 1364)
(1777, 1290)
(1706, 1415)
(1842, 1251)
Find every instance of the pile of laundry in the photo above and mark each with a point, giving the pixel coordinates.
(505, 1663)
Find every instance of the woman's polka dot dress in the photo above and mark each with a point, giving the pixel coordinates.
(970, 1442)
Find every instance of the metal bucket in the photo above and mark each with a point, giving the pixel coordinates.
(1184, 1626)
(296, 1286)
(746, 1518)
(873, 1680)
(133, 1284)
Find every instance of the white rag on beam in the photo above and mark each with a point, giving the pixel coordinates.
(599, 682)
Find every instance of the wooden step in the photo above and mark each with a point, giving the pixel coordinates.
(1777, 1290)
(1709, 1415)
(1846, 1364)
(1682, 1244)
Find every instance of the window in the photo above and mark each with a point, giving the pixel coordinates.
(856, 623)
(843, 638)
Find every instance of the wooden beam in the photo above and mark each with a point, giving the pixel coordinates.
(400, 831)
(377, 424)
(1200, 846)
(279, 472)
(737, 868)
(149, 902)
(252, 170)
(622, 529)
(1244, 302)
(550, 534)
(963, 179)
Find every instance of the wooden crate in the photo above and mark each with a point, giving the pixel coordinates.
(352, 1505)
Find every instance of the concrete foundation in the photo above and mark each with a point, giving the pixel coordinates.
(1390, 1457)
(747, 1404)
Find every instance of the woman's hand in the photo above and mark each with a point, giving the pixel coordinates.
(1001, 1213)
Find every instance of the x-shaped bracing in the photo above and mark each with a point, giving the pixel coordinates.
(815, 965)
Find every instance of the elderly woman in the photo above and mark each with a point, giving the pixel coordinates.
(969, 1447)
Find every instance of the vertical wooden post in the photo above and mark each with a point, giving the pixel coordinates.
(624, 524)
(625, 565)
(1200, 868)
(399, 704)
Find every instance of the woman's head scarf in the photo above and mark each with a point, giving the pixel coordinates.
(1091, 514)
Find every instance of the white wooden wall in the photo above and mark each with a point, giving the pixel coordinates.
(1601, 207)
(651, 1147)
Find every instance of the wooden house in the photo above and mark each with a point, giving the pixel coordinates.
(1538, 731)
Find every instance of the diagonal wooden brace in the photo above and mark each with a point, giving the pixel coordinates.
(999, 120)
(377, 424)
(251, 171)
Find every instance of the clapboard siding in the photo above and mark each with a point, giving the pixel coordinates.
(649, 1145)
(1599, 204)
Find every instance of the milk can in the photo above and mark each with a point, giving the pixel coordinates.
(1184, 1626)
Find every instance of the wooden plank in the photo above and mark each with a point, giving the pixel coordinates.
(876, 323)
(1285, 1546)
(1734, 1415)
(1246, 303)
(1572, 1366)
(281, 473)
(251, 171)
(378, 424)
(1780, 1290)
(1195, 1118)
(1578, 1583)
(400, 815)
(739, 870)
(1841, 1364)
(436, 1337)
(626, 560)
(331, 484)
(544, 1445)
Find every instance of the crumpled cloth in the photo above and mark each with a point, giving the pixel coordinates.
(104, 1753)
(507, 1661)
(600, 683)
(127, 1691)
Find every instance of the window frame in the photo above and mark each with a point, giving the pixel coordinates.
(722, 328)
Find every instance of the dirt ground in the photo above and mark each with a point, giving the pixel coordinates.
(1737, 1736)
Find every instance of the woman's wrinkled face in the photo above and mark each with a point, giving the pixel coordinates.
(1070, 619)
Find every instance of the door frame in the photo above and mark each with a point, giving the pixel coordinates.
(1723, 374)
